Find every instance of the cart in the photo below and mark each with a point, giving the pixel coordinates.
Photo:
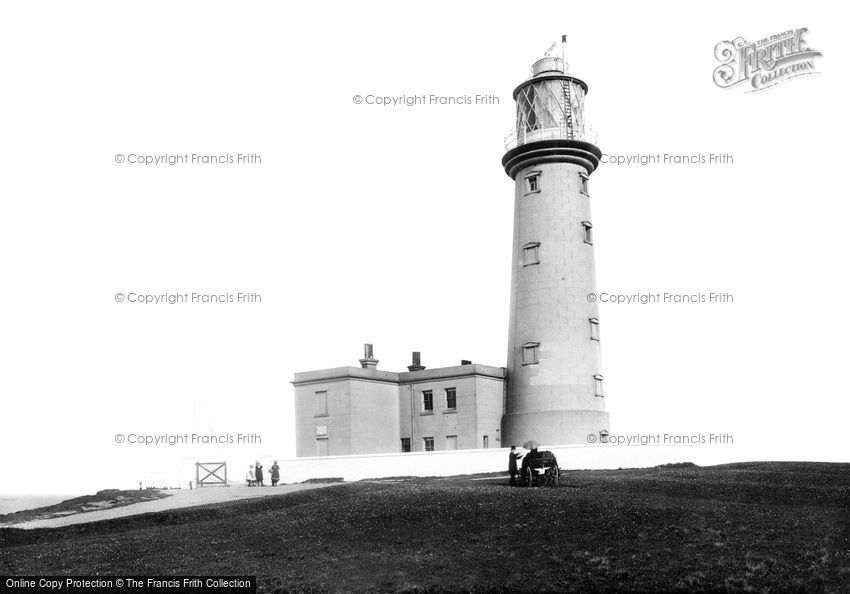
(540, 469)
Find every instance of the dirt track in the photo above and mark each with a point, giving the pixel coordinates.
(178, 498)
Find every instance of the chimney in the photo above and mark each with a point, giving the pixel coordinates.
(417, 363)
(368, 361)
(465, 362)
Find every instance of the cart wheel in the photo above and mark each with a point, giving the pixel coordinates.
(529, 477)
(554, 475)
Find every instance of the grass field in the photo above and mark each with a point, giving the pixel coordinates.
(742, 527)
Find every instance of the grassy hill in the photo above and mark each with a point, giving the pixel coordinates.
(755, 526)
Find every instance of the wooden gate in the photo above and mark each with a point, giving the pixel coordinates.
(211, 473)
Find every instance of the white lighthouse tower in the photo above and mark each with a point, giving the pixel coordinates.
(555, 392)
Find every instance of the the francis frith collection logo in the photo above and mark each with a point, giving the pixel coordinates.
(765, 63)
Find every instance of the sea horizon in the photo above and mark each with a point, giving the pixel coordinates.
(15, 502)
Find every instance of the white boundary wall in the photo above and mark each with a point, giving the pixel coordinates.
(448, 463)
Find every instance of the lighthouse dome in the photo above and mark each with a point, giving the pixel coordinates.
(548, 64)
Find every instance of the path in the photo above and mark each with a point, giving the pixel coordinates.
(178, 498)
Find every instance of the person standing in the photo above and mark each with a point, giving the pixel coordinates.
(251, 477)
(512, 459)
(259, 474)
(275, 473)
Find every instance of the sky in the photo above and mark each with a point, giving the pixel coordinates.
(392, 224)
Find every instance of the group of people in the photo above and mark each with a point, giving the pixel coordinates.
(514, 456)
(544, 463)
(256, 477)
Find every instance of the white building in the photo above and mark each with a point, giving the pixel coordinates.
(364, 410)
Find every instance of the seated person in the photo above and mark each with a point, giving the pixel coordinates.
(530, 457)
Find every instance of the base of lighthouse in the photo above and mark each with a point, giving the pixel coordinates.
(554, 427)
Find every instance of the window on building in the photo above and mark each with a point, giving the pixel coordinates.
(321, 403)
(529, 353)
(427, 400)
(531, 253)
(451, 442)
(429, 443)
(588, 232)
(321, 430)
(598, 381)
(486, 442)
(322, 447)
(451, 398)
(405, 444)
(582, 183)
(603, 436)
(532, 182)
(594, 329)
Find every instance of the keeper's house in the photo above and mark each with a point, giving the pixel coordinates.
(364, 410)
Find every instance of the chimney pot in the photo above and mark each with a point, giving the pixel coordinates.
(417, 362)
(368, 361)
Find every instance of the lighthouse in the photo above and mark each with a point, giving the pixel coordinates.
(555, 386)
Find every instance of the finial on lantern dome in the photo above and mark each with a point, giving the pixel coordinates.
(554, 59)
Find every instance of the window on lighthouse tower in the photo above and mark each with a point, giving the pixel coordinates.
(531, 253)
(529, 353)
(588, 232)
(594, 329)
(597, 379)
(582, 184)
(532, 182)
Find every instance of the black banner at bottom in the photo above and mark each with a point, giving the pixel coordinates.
(175, 584)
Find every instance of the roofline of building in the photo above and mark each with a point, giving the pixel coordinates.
(404, 377)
